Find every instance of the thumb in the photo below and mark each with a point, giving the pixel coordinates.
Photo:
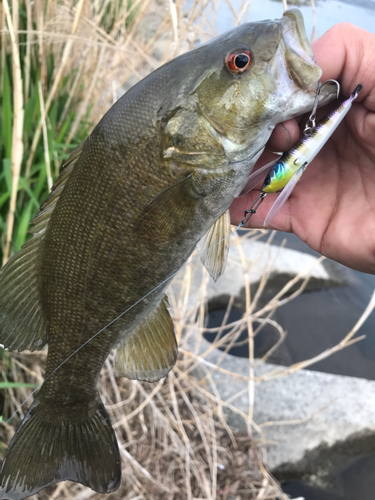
(347, 53)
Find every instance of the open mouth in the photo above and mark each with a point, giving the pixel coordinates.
(294, 34)
(298, 53)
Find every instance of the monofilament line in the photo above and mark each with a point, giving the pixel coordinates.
(120, 316)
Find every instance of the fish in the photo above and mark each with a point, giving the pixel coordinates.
(285, 172)
(155, 177)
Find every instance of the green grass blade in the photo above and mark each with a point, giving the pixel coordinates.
(15, 385)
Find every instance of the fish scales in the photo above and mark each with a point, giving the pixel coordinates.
(155, 176)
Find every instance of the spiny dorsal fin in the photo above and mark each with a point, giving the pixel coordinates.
(22, 324)
(215, 259)
(150, 352)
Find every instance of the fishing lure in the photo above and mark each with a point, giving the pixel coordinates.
(285, 172)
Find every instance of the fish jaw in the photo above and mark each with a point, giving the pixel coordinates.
(294, 34)
(297, 71)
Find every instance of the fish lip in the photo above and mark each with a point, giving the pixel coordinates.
(303, 71)
(300, 62)
(295, 36)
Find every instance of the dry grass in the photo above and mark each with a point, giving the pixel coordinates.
(99, 50)
(174, 437)
(17, 144)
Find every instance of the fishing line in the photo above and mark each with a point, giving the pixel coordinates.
(122, 314)
(248, 213)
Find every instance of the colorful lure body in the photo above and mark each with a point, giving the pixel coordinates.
(288, 169)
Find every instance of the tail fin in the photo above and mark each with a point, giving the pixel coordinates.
(42, 453)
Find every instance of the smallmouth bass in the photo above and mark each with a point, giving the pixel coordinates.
(155, 176)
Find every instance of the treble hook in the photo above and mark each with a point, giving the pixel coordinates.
(310, 124)
(252, 210)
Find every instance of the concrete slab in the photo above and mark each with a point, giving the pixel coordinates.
(313, 422)
(280, 264)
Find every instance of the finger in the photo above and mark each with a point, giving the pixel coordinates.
(345, 53)
(282, 222)
(284, 135)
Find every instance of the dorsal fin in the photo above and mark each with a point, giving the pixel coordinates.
(22, 324)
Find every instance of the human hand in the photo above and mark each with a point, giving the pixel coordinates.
(332, 208)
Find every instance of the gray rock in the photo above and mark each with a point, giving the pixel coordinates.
(281, 265)
(318, 420)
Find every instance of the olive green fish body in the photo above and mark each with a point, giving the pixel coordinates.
(156, 176)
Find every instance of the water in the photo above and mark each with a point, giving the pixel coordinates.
(318, 320)
(328, 13)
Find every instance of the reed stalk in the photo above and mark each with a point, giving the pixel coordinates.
(18, 114)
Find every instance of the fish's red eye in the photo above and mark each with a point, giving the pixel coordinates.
(238, 61)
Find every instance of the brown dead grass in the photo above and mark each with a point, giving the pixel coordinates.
(174, 437)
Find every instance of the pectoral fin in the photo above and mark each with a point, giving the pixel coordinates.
(170, 211)
(150, 352)
(214, 246)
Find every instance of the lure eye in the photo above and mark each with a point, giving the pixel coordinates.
(238, 61)
(267, 181)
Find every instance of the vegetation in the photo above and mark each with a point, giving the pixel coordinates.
(62, 64)
(25, 178)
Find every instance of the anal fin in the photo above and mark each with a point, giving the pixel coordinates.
(214, 246)
(150, 352)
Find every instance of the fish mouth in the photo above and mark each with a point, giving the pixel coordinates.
(295, 34)
(300, 61)
(301, 73)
